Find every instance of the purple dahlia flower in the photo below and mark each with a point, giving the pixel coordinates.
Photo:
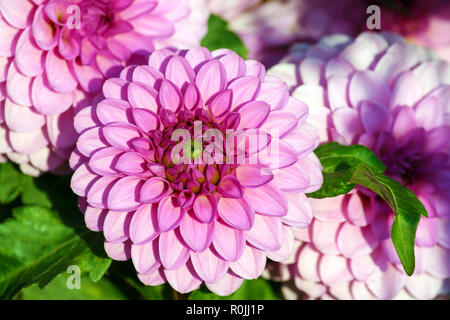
(55, 54)
(203, 219)
(393, 97)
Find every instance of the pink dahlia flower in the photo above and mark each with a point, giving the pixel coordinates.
(54, 55)
(393, 97)
(203, 219)
(269, 36)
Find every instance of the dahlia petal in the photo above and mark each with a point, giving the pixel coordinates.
(362, 267)
(47, 101)
(68, 45)
(28, 58)
(276, 94)
(118, 251)
(266, 233)
(230, 187)
(154, 189)
(88, 76)
(102, 161)
(291, 179)
(390, 252)
(17, 12)
(282, 121)
(287, 247)
(337, 92)
(325, 235)
(253, 176)
(116, 226)
(403, 123)
(234, 65)
(28, 142)
(253, 114)
(196, 234)
(172, 251)
(90, 141)
(120, 135)
(112, 110)
(183, 279)
(179, 71)
(236, 213)
(197, 56)
(251, 264)
(98, 191)
(443, 234)
(144, 224)
(227, 285)
(307, 263)
(267, 200)
(386, 284)
(438, 265)
(347, 123)
(45, 160)
(8, 38)
(124, 194)
(299, 211)
(145, 257)
(424, 286)
(141, 96)
(108, 64)
(156, 278)
(95, 218)
(153, 25)
(131, 163)
(192, 98)
(209, 267)
(18, 86)
(333, 270)
(244, 89)
(228, 242)
(427, 232)
(205, 207)
(221, 104)
(22, 119)
(59, 75)
(357, 211)
(81, 180)
(354, 241)
(430, 113)
(158, 59)
(211, 79)
(169, 214)
(368, 86)
(60, 130)
(169, 96)
(374, 118)
(406, 91)
(147, 75)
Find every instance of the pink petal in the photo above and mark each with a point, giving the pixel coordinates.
(354, 241)
(253, 176)
(144, 224)
(205, 207)
(169, 96)
(308, 263)
(112, 110)
(251, 264)
(124, 194)
(172, 251)
(81, 180)
(169, 214)
(209, 267)
(228, 242)
(28, 57)
(179, 72)
(333, 270)
(211, 79)
(236, 213)
(118, 251)
(145, 257)
(60, 77)
(102, 161)
(119, 135)
(267, 200)
(22, 119)
(253, 114)
(182, 279)
(196, 234)
(325, 236)
(244, 89)
(18, 86)
(299, 211)
(17, 12)
(227, 285)
(142, 96)
(131, 163)
(145, 120)
(266, 233)
(47, 101)
(116, 226)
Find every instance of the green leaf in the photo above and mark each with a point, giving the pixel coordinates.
(259, 289)
(338, 163)
(346, 166)
(407, 211)
(37, 244)
(11, 182)
(219, 36)
(57, 290)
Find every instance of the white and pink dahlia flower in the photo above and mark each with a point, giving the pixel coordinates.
(55, 55)
(393, 97)
(207, 219)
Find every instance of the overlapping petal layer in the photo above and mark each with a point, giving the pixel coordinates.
(393, 97)
(55, 55)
